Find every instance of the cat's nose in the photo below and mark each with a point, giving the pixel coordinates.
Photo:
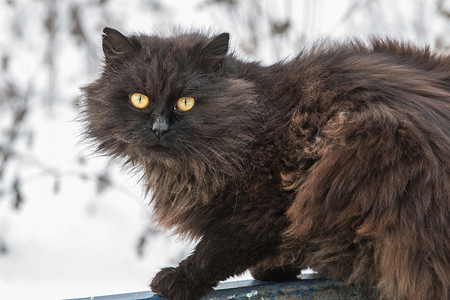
(160, 126)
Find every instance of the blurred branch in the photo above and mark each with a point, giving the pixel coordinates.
(255, 20)
(279, 28)
(3, 246)
(102, 179)
(149, 232)
(75, 24)
(6, 150)
(227, 2)
(442, 10)
(354, 7)
(18, 197)
(50, 24)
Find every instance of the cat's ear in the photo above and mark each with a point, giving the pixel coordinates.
(116, 46)
(213, 52)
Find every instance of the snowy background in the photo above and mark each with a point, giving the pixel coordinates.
(73, 224)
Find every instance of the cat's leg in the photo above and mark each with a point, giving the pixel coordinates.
(281, 273)
(216, 257)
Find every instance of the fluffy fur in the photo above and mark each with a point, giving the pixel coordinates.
(338, 160)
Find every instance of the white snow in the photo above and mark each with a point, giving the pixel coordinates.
(75, 242)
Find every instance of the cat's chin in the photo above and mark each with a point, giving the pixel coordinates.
(158, 153)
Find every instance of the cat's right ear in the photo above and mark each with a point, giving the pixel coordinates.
(214, 51)
(116, 46)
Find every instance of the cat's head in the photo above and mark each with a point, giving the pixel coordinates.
(170, 100)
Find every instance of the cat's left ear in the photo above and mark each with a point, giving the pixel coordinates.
(116, 46)
(213, 52)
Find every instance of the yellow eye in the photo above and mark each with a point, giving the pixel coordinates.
(139, 100)
(185, 103)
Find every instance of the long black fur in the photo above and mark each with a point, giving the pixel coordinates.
(338, 160)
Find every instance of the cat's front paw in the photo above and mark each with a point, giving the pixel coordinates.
(175, 284)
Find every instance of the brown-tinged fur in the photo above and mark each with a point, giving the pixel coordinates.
(338, 160)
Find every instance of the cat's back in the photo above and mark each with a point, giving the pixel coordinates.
(375, 52)
(386, 79)
(369, 100)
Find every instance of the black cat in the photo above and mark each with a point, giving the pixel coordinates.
(338, 160)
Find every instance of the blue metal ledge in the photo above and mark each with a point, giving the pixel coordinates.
(310, 288)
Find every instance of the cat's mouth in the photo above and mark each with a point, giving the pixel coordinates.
(148, 146)
(158, 151)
